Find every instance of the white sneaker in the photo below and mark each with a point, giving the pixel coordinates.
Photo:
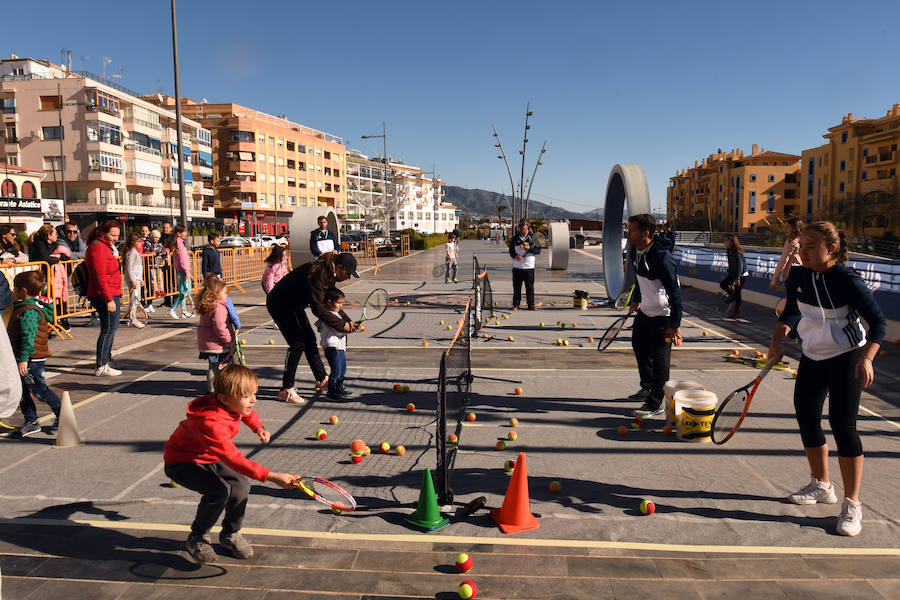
(107, 371)
(850, 521)
(173, 314)
(815, 491)
(150, 308)
(291, 396)
(138, 324)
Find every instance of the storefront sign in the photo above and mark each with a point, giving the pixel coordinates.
(20, 205)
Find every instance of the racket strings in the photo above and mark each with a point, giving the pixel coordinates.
(730, 413)
(376, 304)
(332, 495)
(610, 334)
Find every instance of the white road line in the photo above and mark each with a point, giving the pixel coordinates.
(127, 490)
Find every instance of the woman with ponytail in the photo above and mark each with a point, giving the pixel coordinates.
(790, 255)
(825, 300)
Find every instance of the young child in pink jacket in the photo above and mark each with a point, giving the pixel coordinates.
(276, 268)
(215, 339)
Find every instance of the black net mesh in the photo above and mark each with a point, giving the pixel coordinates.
(476, 270)
(454, 386)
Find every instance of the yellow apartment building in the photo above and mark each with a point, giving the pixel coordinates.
(852, 178)
(732, 191)
(265, 166)
(106, 153)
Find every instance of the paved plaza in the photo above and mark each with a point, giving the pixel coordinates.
(102, 521)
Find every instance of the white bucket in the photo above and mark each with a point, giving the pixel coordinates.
(672, 386)
(694, 412)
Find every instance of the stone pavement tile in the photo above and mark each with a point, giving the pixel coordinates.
(823, 590)
(757, 590)
(619, 568)
(869, 567)
(887, 588)
(658, 590)
(685, 568)
(305, 558)
(319, 580)
(22, 588)
(750, 568)
(18, 564)
(95, 590)
(198, 590)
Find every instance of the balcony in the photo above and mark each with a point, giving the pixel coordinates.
(143, 149)
(142, 123)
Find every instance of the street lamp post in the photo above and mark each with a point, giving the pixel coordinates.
(181, 199)
(384, 170)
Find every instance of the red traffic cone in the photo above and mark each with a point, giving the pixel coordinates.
(515, 514)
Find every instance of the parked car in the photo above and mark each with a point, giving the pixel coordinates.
(234, 241)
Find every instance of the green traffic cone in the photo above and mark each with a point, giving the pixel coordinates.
(427, 516)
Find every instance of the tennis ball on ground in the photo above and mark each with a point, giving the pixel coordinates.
(565, 342)
(883, 353)
(367, 451)
(518, 391)
(173, 484)
(484, 335)
(705, 333)
(514, 422)
(574, 324)
(667, 430)
(505, 316)
(561, 324)
(356, 458)
(496, 322)
(590, 340)
(636, 424)
(333, 420)
(271, 341)
(357, 446)
(243, 342)
(647, 507)
(559, 341)
(794, 375)
(335, 510)
(362, 328)
(411, 407)
(399, 450)
(509, 465)
(467, 590)
(321, 434)
(453, 439)
(405, 388)
(762, 356)
(425, 342)
(459, 322)
(510, 339)
(441, 322)
(407, 302)
(623, 430)
(501, 445)
(470, 416)
(449, 327)
(398, 388)
(555, 487)
(512, 436)
(384, 447)
(735, 352)
(542, 323)
(463, 562)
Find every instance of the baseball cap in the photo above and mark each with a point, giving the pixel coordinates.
(348, 261)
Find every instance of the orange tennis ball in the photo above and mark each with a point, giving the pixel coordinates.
(705, 333)
(667, 430)
(623, 430)
(463, 562)
(356, 459)
(512, 436)
(411, 407)
(384, 447)
(321, 434)
(510, 339)
(574, 324)
(424, 342)
(470, 416)
(501, 445)
(399, 450)
(590, 340)
(468, 590)
(519, 391)
(453, 439)
(357, 446)
(555, 487)
(513, 422)
(794, 375)
(647, 507)
(735, 352)
(333, 420)
(367, 451)
(440, 322)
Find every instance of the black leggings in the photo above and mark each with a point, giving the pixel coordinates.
(834, 376)
(222, 488)
(728, 286)
(652, 352)
(295, 327)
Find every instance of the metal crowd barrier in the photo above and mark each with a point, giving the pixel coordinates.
(365, 252)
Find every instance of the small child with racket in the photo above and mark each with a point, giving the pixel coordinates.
(201, 456)
(825, 300)
(334, 341)
(451, 260)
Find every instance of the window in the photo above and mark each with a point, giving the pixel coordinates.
(865, 152)
(204, 159)
(280, 143)
(281, 179)
(8, 105)
(720, 187)
(105, 103)
(240, 136)
(771, 177)
(771, 205)
(105, 162)
(290, 146)
(327, 155)
(291, 164)
(99, 131)
(261, 138)
(271, 179)
(262, 198)
(328, 170)
(271, 141)
(9, 189)
(752, 177)
(271, 159)
(204, 137)
(291, 182)
(841, 187)
(301, 148)
(843, 166)
(292, 200)
(262, 157)
(52, 163)
(843, 137)
(280, 162)
(11, 135)
(12, 159)
(863, 175)
(50, 103)
(337, 172)
(281, 199)
(54, 132)
(752, 202)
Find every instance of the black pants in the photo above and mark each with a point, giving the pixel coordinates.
(728, 286)
(222, 488)
(652, 352)
(299, 334)
(521, 276)
(168, 275)
(834, 376)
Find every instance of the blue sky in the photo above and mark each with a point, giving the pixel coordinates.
(661, 84)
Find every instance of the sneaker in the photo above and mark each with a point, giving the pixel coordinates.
(334, 396)
(346, 392)
(735, 315)
(200, 548)
(107, 371)
(291, 396)
(532, 308)
(650, 408)
(850, 521)
(138, 324)
(640, 395)
(815, 491)
(186, 315)
(236, 545)
(172, 313)
(456, 281)
(29, 428)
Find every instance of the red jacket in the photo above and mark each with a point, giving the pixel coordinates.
(206, 435)
(104, 276)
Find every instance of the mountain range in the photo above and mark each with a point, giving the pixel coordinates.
(483, 203)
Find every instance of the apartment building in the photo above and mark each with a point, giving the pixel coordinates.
(20, 199)
(731, 191)
(419, 201)
(120, 152)
(265, 166)
(365, 190)
(852, 178)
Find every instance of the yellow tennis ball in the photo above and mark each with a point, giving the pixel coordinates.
(512, 436)
(501, 445)
(333, 420)
(467, 590)
(271, 341)
(565, 342)
(542, 323)
(244, 342)
(385, 447)
(335, 510)
(173, 484)
(441, 322)
(513, 422)
(449, 327)
(509, 465)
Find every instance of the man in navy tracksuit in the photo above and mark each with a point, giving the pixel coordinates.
(657, 300)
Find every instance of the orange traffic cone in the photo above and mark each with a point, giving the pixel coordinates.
(515, 514)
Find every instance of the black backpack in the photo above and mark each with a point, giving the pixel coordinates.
(80, 279)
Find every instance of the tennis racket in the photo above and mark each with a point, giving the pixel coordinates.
(733, 410)
(611, 332)
(438, 270)
(726, 303)
(238, 348)
(326, 492)
(624, 299)
(375, 305)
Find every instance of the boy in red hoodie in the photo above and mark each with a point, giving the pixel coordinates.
(201, 456)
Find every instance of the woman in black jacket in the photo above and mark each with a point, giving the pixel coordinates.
(737, 274)
(306, 286)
